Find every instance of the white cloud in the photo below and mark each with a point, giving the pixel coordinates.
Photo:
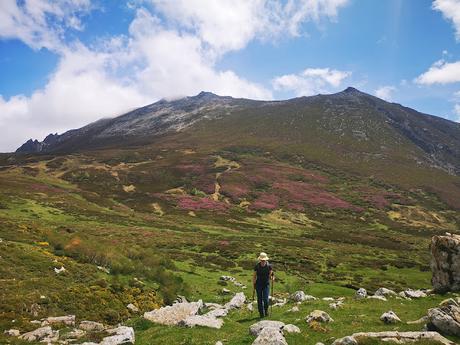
(311, 81)
(441, 72)
(385, 92)
(41, 23)
(172, 56)
(450, 9)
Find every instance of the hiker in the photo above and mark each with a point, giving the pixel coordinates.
(263, 274)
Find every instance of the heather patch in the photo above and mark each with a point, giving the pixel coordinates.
(265, 201)
(199, 204)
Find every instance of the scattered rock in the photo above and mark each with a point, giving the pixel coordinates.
(91, 326)
(103, 269)
(227, 278)
(294, 309)
(218, 343)
(290, 328)
(132, 308)
(226, 291)
(390, 317)
(121, 335)
(381, 298)
(41, 334)
(328, 299)
(445, 319)
(336, 305)
(300, 296)
(59, 270)
(319, 316)
(414, 293)
(12, 333)
(270, 336)
(445, 263)
(361, 293)
(256, 328)
(202, 320)
(250, 307)
(75, 334)
(422, 320)
(68, 320)
(385, 292)
(394, 336)
(236, 302)
(172, 315)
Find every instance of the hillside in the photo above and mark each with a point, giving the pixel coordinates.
(343, 191)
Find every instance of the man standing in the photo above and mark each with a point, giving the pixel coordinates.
(263, 274)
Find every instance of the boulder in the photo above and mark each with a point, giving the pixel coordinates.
(250, 307)
(385, 292)
(445, 263)
(202, 320)
(91, 326)
(225, 291)
(361, 293)
(68, 320)
(227, 278)
(74, 334)
(409, 293)
(40, 334)
(12, 333)
(132, 308)
(256, 328)
(445, 319)
(236, 302)
(300, 296)
(290, 328)
(390, 317)
(270, 336)
(394, 336)
(120, 335)
(319, 316)
(173, 314)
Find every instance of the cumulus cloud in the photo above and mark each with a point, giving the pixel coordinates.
(450, 9)
(385, 92)
(311, 81)
(41, 23)
(441, 72)
(172, 54)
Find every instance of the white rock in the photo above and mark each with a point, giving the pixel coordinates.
(202, 320)
(132, 308)
(445, 319)
(414, 293)
(385, 292)
(68, 320)
(270, 336)
(12, 333)
(250, 307)
(103, 269)
(380, 298)
(349, 340)
(402, 337)
(390, 317)
(40, 334)
(319, 316)
(121, 335)
(290, 328)
(294, 309)
(236, 302)
(361, 293)
(75, 334)
(336, 305)
(226, 291)
(218, 343)
(256, 328)
(300, 296)
(227, 278)
(59, 270)
(91, 326)
(172, 315)
(328, 299)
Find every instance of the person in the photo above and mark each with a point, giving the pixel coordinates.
(263, 275)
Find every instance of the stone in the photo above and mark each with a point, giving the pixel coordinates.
(40, 334)
(300, 296)
(400, 337)
(236, 302)
(120, 335)
(226, 291)
(68, 320)
(328, 299)
(380, 298)
(450, 301)
(361, 293)
(319, 344)
(74, 334)
(294, 309)
(91, 326)
(414, 293)
(385, 292)
(202, 320)
(445, 263)
(12, 333)
(423, 320)
(256, 328)
(59, 270)
(319, 316)
(336, 305)
(218, 343)
(348, 340)
(445, 319)
(217, 312)
(227, 278)
(270, 336)
(132, 308)
(290, 328)
(250, 307)
(390, 317)
(173, 314)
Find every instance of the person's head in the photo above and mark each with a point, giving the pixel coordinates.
(263, 258)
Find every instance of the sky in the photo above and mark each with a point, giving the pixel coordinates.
(66, 63)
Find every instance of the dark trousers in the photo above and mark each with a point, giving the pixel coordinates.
(262, 299)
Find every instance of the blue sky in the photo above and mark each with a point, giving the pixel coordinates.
(66, 63)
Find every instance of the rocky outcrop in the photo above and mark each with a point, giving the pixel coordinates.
(445, 263)
(120, 335)
(91, 326)
(236, 302)
(318, 316)
(42, 334)
(68, 320)
(174, 314)
(445, 319)
(394, 336)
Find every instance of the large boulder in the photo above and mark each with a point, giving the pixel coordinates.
(174, 314)
(270, 336)
(445, 263)
(120, 335)
(318, 316)
(385, 292)
(236, 302)
(394, 337)
(445, 319)
(42, 334)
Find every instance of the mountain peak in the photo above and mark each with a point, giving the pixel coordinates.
(207, 95)
(351, 90)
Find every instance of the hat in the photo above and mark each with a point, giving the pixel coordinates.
(263, 256)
